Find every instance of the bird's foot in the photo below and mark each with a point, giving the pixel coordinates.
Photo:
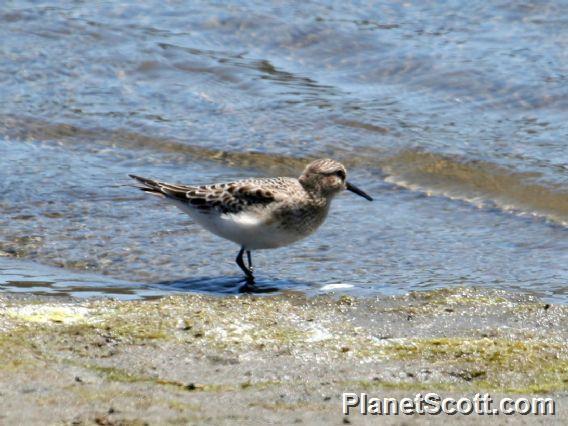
(249, 276)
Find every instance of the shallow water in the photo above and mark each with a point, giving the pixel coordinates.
(453, 115)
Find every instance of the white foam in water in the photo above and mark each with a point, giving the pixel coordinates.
(329, 287)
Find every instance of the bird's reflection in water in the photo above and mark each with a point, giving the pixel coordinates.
(232, 285)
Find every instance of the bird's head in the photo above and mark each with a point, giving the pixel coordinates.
(327, 178)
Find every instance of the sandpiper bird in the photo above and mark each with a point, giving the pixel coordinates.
(260, 213)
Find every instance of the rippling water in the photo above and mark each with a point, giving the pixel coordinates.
(453, 115)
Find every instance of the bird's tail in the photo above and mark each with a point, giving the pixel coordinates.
(148, 185)
(171, 191)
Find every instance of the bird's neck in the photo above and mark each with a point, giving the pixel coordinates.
(320, 199)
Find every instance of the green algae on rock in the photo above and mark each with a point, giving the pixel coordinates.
(186, 348)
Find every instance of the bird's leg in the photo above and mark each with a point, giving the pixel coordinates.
(241, 264)
(250, 261)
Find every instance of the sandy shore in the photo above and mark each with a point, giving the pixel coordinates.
(285, 359)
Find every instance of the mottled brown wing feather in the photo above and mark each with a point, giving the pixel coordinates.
(237, 196)
(225, 197)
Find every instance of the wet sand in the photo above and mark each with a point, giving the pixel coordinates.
(196, 359)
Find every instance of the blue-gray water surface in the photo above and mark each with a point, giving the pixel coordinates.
(452, 114)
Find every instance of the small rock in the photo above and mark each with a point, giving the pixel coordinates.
(103, 421)
(183, 325)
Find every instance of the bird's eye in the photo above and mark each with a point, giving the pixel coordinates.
(341, 174)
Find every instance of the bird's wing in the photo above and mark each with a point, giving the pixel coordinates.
(230, 197)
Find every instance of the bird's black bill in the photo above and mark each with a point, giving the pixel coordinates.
(357, 191)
